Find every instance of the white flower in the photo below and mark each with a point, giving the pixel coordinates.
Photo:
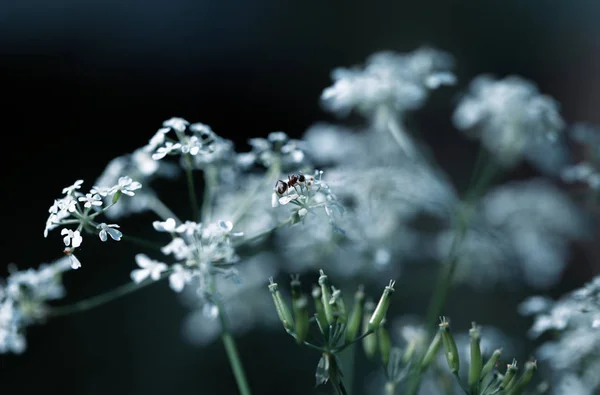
(166, 226)
(177, 124)
(179, 278)
(163, 151)
(110, 231)
(511, 118)
(157, 139)
(397, 81)
(91, 200)
(68, 203)
(148, 268)
(178, 247)
(71, 238)
(75, 263)
(126, 186)
(72, 188)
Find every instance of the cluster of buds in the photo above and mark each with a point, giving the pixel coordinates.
(483, 379)
(337, 327)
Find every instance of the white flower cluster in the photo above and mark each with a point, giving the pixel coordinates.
(141, 168)
(277, 148)
(178, 136)
(396, 81)
(23, 300)
(306, 193)
(511, 118)
(574, 353)
(79, 209)
(200, 252)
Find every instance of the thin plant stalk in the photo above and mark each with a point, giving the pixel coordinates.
(160, 209)
(98, 300)
(191, 186)
(210, 188)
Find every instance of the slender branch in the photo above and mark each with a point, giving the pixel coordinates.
(232, 353)
(162, 210)
(98, 300)
(210, 187)
(191, 186)
(141, 242)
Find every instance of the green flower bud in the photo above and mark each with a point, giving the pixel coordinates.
(385, 343)
(116, 196)
(296, 286)
(355, 315)
(491, 363)
(449, 346)
(476, 361)
(282, 309)
(338, 301)
(530, 368)
(320, 310)
(432, 351)
(326, 297)
(382, 306)
(511, 371)
(370, 341)
(300, 308)
(410, 350)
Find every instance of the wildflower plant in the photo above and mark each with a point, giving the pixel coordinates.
(362, 204)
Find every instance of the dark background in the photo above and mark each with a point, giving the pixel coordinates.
(84, 82)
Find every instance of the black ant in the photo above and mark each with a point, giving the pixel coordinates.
(282, 187)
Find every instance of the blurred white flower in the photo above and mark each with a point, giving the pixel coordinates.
(148, 268)
(246, 304)
(399, 81)
(512, 119)
(23, 301)
(518, 233)
(277, 149)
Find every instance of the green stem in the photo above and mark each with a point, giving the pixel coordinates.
(94, 301)
(191, 186)
(210, 187)
(232, 354)
(141, 242)
(162, 210)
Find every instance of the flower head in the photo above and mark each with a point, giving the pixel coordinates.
(511, 118)
(397, 81)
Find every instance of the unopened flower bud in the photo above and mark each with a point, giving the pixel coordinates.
(476, 361)
(326, 297)
(355, 315)
(320, 310)
(282, 309)
(432, 351)
(511, 371)
(491, 363)
(338, 301)
(300, 308)
(449, 346)
(370, 341)
(382, 307)
(385, 343)
(529, 370)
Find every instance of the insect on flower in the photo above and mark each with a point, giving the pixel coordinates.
(282, 187)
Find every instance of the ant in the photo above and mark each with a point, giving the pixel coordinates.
(282, 187)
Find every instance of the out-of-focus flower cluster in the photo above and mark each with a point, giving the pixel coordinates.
(23, 301)
(399, 81)
(573, 353)
(511, 118)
